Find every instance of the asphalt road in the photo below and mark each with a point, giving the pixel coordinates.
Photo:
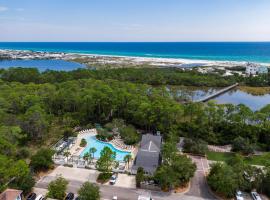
(198, 189)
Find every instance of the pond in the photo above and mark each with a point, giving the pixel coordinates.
(235, 96)
(42, 65)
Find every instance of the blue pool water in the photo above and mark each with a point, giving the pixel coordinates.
(42, 65)
(93, 142)
(222, 51)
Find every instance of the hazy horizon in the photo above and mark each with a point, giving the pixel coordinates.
(135, 21)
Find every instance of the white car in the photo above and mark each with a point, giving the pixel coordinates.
(39, 197)
(113, 179)
(239, 195)
(255, 196)
(114, 198)
(144, 198)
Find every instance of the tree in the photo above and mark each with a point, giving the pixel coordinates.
(265, 185)
(127, 159)
(15, 174)
(42, 160)
(176, 174)
(195, 146)
(92, 152)
(242, 145)
(89, 191)
(129, 135)
(106, 161)
(35, 122)
(86, 157)
(67, 153)
(57, 189)
(83, 143)
(139, 177)
(222, 180)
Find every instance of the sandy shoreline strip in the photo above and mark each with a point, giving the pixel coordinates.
(155, 61)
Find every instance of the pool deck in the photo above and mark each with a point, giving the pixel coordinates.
(76, 150)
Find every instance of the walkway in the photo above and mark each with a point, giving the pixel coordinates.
(211, 96)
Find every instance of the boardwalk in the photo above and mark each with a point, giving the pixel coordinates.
(211, 96)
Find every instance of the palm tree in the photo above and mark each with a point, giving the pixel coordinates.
(86, 157)
(67, 154)
(127, 159)
(92, 152)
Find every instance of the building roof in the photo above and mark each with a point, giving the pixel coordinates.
(10, 194)
(148, 156)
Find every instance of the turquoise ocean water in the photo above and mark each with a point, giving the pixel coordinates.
(221, 51)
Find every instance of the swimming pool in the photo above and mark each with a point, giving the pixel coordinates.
(93, 142)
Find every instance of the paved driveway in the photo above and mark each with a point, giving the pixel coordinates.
(79, 174)
(199, 187)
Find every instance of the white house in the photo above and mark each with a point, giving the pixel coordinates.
(253, 69)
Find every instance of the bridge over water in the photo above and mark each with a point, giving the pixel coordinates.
(211, 96)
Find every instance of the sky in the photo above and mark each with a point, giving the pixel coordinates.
(134, 20)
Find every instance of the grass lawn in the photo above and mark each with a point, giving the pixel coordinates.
(252, 160)
(219, 156)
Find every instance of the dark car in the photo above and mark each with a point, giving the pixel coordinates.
(31, 196)
(70, 196)
(77, 198)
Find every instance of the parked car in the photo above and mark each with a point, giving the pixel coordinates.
(255, 196)
(239, 195)
(113, 179)
(114, 198)
(70, 196)
(77, 198)
(31, 196)
(39, 197)
(141, 197)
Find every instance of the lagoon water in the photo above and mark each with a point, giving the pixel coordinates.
(220, 51)
(254, 102)
(235, 96)
(42, 65)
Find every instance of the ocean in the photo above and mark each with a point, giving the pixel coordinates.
(258, 52)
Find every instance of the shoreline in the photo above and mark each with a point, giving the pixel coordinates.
(119, 59)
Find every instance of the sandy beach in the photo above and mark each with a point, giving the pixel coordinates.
(96, 59)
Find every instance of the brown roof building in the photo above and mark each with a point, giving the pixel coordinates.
(11, 194)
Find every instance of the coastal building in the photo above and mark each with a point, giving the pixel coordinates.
(253, 69)
(11, 194)
(262, 70)
(148, 156)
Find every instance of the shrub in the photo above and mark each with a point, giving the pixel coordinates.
(221, 180)
(265, 186)
(57, 189)
(195, 147)
(104, 177)
(139, 177)
(242, 145)
(129, 135)
(83, 143)
(42, 160)
(104, 135)
(89, 191)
